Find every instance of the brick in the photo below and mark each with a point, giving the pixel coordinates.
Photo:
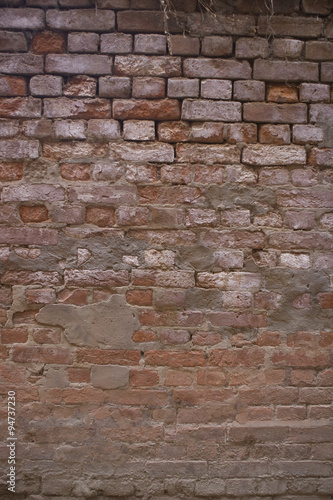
(77, 108)
(96, 278)
(275, 113)
(131, 216)
(216, 46)
(211, 132)
(150, 44)
(282, 93)
(198, 217)
(135, 130)
(183, 87)
(234, 239)
(12, 42)
(314, 92)
(303, 27)
(141, 174)
(281, 71)
(83, 42)
(46, 86)
(175, 358)
(321, 112)
(21, 64)
(37, 213)
(29, 236)
(307, 134)
(301, 241)
(322, 157)
(17, 149)
(312, 7)
(242, 132)
(14, 335)
(162, 259)
(11, 171)
(81, 20)
(137, 65)
(251, 48)
(116, 43)
(48, 42)
(36, 354)
(249, 90)
(20, 107)
(40, 296)
(110, 377)
(304, 177)
(9, 128)
(70, 129)
(300, 220)
(216, 89)
(220, 24)
(75, 171)
(325, 300)
(274, 134)
(144, 378)
(319, 51)
(102, 217)
(173, 131)
(67, 214)
(77, 64)
(30, 277)
(181, 45)
(157, 152)
(31, 19)
(299, 261)
(148, 87)
(12, 86)
(219, 68)
(164, 194)
(103, 130)
(196, 153)
(140, 109)
(80, 86)
(327, 72)
(313, 198)
(203, 110)
(108, 195)
(274, 155)
(231, 218)
(114, 86)
(287, 49)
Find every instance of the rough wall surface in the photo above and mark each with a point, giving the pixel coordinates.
(165, 249)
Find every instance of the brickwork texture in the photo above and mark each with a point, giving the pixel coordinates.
(166, 249)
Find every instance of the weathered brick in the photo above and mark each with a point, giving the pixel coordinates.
(181, 45)
(108, 195)
(251, 48)
(103, 130)
(274, 134)
(46, 86)
(220, 24)
(21, 64)
(299, 241)
(302, 27)
(48, 42)
(77, 108)
(9, 128)
(196, 153)
(285, 48)
(278, 92)
(319, 51)
(234, 239)
(321, 157)
(116, 43)
(96, 278)
(327, 72)
(17, 149)
(70, 129)
(275, 113)
(83, 42)
(296, 261)
(216, 46)
(183, 87)
(150, 44)
(74, 149)
(36, 213)
(313, 7)
(219, 68)
(242, 132)
(135, 130)
(314, 92)
(81, 20)
(140, 109)
(11, 171)
(80, 86)
(281, 71)
(114, 86)
(249, 90)
(274, 155)
(211, 132)
(12, 86)
(36, 354)
(203, 110)
(148, 87)
(13, 42)
(77, 64)
(136, 65)
(216, 89)
(23, 19)
(300, 220)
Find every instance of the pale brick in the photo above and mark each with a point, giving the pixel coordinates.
(157, 152)
(203, 110)
(321, 157)
(242, 132)
(301, 27)
(110, 377)
(273, 176)
(37, 129)
(207, 132)
(216, 89)
(321, 113)
(217, 68)
(78, 64)
(9, 128)
(116, 43)
(104, 130)
(46, 86)
(216, 46)
(148, 87)
(274, 134)
(319, 50)
(183, 87)
(96, 277)
(28, 236)
(22, 19)
(287, 49)
(108, 195)
(115, 86)
(229, 258)
(249, 90)
(181, 45)
(307, 134)
(150, 44)
(140, 109)
(21, 64)
(83, 42)
(300, 220)
(78, 108)
(296, 261)
(212, 153)
(33, 192)
(282, 71)
(314, 92)
(17, 149)
(275, 113)
(12, 42)
(12, 86)
(81, 20)
(67, 214)
(74, 149)
(220, 24)
(327, 72)
(274, 155)
(251, 48)
(70, 129)
(137, 65)
(135, 130)
(20, 107)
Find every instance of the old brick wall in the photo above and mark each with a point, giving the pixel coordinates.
(165, 249)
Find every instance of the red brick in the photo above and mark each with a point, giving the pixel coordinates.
(77, 108)
(139, 297)
(46, 336)
(225, 24)
(40, 296)
(11, 171)
(236, 357)
(144, 378)
(137, 65)
(282, 93)
(175, 337)
(269, 339)
(301, 358)
(12, 86)
(37, 213)
(144, 336)
(96, 278)
(32, 354)
(326, 300)
(166, 109)
(198, 153)
(132, 216)
(80, 86)
(48, 42)
(102, 217)
(174, 131)
(242, 132)
(14, 335)
(175, 359)
(237, 320)
(75, 171)
(78, 375)
(108, 357)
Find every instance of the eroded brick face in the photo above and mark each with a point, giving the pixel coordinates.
(166, 240)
